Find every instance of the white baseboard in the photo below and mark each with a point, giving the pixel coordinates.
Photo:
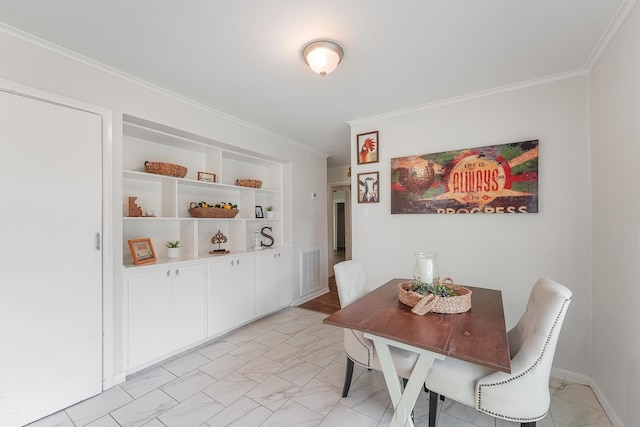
(576, 378)
(310, 296)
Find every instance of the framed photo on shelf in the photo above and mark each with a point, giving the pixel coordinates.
(368, 187)
(142, 251)
(259, 213)
(206, 177)
(367, 147)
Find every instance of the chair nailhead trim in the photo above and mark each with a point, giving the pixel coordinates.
(537, 361)
(368, 364)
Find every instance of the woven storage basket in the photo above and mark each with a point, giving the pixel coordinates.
(168, 169)
(198, 212)
(253, 183)
(446, 305)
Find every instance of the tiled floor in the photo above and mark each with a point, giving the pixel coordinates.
(284, 370)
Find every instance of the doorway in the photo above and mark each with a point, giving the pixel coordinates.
(340, 224)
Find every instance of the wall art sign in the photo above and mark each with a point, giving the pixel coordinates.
(367, 147)
(494, 179)
(368, 187)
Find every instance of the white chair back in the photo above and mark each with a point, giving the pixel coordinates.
(351, 281)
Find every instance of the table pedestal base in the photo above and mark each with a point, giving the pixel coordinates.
(403, 402)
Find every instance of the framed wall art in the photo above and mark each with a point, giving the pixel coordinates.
(368, 187)
(206, 177)
(494, 179)
(259, 212)
(367, 147)
(142, 251)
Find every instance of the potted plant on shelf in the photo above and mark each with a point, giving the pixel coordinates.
(173, 248)
(270, 212)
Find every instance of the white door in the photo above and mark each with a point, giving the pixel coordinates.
(50, 266)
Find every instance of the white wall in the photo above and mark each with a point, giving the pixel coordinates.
(615, 141)
(37, 65)
(504, 251)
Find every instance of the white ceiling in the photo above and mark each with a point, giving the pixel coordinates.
(242, 57)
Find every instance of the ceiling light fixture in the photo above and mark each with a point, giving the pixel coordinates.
(322, 56)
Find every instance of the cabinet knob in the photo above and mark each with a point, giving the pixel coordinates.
(177, 271)
(232, 262)
(168, 273)
(238, 262)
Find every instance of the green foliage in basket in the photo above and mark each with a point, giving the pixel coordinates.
(438, 289)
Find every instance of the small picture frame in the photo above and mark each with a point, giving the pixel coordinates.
(368, 147)
(259, 213)
(142, 251)
(368, 187)
(206, 177)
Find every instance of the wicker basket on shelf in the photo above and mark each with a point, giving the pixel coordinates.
(198, 212)
(422, 304)
(253, 183)
(168, 169)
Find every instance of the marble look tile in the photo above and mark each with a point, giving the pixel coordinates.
(272, 338)
(154, 423)
(299, 372)
(273, 392)
(193, 412)
(291, 327)
(187, 363)
(446, 420)
(106, 421)
(241, 336)
(334, 374)
(144, 409)
(341, 416)
(243, 412)
(260, 369)
(334, 340)
(96, 407)
(318, 396)
(372, 377)
(262, 326)
(283, 353)
(147, 381)
(466, 413)
(294, 415)
(249, 351)
(368, 399)
(187, 385)
(59, 419)
(230, 388)
(574, 414)
(217, 349)
(319, 329)
(318, 355)
(222, 366)
(576, 393)
(303, 340)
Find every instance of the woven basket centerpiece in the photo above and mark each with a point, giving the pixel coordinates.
(197, 211)
(168, 169)
(253, 183)
(422, 304)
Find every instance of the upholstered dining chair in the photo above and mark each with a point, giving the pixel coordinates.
(351, 281)
(522, 396)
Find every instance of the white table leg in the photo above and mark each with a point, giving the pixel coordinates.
(403, 402)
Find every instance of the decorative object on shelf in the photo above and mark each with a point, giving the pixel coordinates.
(252, 183)
(259, 213)
(426, 268)
(220, 210)
(142, 251)
(219, 239)
(494, 179)
(258, 241)
(168, 169)
(268, 236)
(270, 212)
(134, 210)
(206, 177)
(367, 147)
(173, 249)
(445, 297)
(149, 213)
(368, 187)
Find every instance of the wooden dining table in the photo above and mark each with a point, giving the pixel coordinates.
(477, 336)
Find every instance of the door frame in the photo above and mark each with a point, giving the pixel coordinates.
(345, 186)
(107, 232)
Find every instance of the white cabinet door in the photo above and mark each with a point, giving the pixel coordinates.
(51, 286)
(232, 294)
(188, 305)
(149, 316)
(274, 280)
(267, 290)
(284, 277)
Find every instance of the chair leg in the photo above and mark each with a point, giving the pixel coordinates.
(347, 377)
(531, 424)
(433, 407)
